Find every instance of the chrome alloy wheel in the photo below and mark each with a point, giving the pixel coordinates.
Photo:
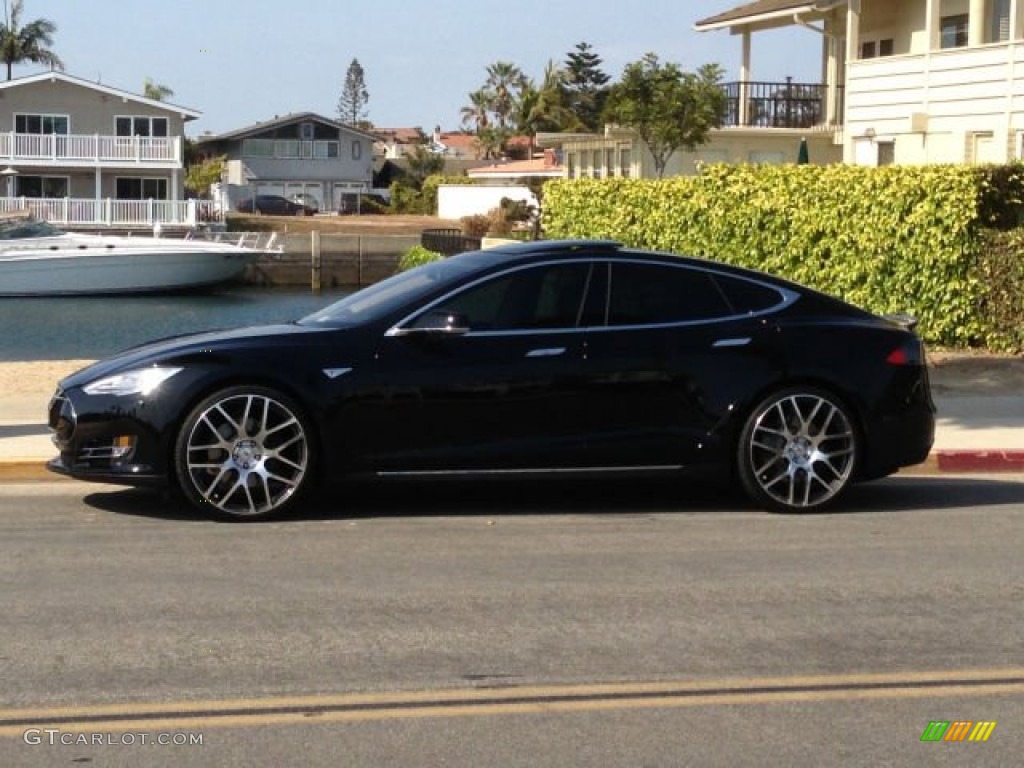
(801, 450)
(246, 453)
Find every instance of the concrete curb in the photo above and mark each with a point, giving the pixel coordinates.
(17, 470)
(974, 462)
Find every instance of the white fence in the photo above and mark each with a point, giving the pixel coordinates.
(69, 210)
(92, 149)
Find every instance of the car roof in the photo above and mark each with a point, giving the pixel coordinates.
(544, 250)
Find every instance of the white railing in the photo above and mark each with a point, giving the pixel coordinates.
(89, 149)
(116, 213)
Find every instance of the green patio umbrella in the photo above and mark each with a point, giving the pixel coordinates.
(802, 156)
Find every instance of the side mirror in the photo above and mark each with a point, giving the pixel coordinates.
(437, 322)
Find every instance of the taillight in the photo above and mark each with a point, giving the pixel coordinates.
(910, 353)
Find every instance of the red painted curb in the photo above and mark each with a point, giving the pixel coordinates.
(980, 461)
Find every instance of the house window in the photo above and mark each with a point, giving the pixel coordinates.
(140, 125)
(886, 152)
(1000, 31)
(258, 148)
(954, 31)
(570, 165)
(41, 124)
(870, 49)
(357, 150)
(41, 186)
(325, 150)
(306, 131)
(609, 162)
(286, 148)
(129, 188)
(625, 162)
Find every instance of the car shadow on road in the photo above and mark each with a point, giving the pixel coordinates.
(602, 496)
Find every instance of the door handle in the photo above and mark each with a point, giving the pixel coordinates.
(546, 352)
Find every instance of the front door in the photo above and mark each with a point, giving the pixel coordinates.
(505, 394)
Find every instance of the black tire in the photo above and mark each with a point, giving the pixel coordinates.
(244, 453)
(798, 450)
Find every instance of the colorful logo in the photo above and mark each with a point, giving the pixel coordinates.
(958, 730)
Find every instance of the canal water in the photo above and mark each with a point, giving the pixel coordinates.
(92, 327)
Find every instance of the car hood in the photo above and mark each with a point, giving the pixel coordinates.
(196, 347)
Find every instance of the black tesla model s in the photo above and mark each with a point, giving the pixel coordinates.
(559, 356)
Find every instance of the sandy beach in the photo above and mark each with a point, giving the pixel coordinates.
(37, 377)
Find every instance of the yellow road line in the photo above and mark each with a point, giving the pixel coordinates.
(512, 700)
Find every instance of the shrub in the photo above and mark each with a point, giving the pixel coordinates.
(1000, 272)
(888, 239)
(476, 225)
(417, 256)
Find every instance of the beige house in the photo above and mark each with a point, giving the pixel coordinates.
(903, 81)
(302, 153)
(82, 152)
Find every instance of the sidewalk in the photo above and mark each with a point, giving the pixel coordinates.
(979, 428)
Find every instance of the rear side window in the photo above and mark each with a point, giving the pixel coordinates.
(649, 294)
(748, 297)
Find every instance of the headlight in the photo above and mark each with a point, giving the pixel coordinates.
(141, 381)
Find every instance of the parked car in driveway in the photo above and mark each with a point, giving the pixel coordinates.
(536, 358)
(307, 200)
(274, 205)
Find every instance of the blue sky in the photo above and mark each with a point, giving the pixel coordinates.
(242, 61)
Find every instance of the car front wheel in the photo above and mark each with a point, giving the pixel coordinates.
(244, 452)
(798, 450)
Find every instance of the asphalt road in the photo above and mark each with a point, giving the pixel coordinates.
(641, 623)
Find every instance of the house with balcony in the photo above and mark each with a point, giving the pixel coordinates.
(80, 152)
(303, 153)
(903, 81)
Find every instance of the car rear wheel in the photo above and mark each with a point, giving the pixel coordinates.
(798, 450)
(244, 452)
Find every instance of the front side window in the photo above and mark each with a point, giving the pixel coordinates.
(656, 294)
(544, 297)
(357, 150)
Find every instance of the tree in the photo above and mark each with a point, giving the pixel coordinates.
(586, 86)
(26, 43)
(156, 91)
(354, 97)
(199, 177)
(504, 80)
(474, 114)
(422, 163)
(669, 109)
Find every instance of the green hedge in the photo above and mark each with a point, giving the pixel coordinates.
(887, 239)
(417, 256)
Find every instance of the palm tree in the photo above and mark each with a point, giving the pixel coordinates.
(156, 91)
(503, 79)
(26, 43)
(474, 114)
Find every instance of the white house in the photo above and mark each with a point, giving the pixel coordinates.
(83, 152)
(903, 81)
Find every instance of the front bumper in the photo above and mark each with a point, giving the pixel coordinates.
(108, 439)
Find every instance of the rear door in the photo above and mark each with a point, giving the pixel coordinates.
(664, 364)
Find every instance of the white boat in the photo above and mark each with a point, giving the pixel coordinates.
(37, 259)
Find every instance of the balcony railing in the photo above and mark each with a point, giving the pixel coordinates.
(114, 213)
(778, 105)
(95, 149)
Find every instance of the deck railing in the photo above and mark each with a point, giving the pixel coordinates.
(778, 105)
(116, 213)
(88, 149)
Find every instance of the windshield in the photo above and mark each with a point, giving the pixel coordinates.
(18, 228)
(391, 295)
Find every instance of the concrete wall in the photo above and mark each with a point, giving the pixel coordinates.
(345, 260)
